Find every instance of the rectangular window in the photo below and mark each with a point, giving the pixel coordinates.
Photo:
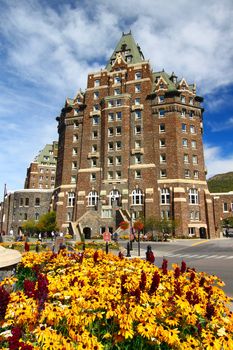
(183, 112)
(163, 173)
(138, 115)
(137, 129)
(118, 103)
(161, 127)
(117, 92)
(117, 80)
(75, 138)
(94, 148)
(94, 162)
(96, 95)
(184, 127)
(194, 159)
(225, 207)
(186, 158)
(138, 159)
(118, 174)
(191, 101)
(94, 134)
(97, 82)
(75, 151)
(161, 99)
(95, 120)
(110, 161)
(184, 142)
(73, 179)
(110, 103)
(26, 202)
(118, 115)
(74, 165)
(118, 130)
(118, 160)
(110, 146)
(118, 145)
(162, 158)
(138, 75)
(110, 117)
(137, 144)
(195, 174)
(194, 144)
(95, 108)
(138, 174)
(186, 173)
(182, 98)
(192, 129)
(191, 114)
(137, 101)
(137, 88)
(162, 143)
(76, 125)
(93, 177)
(110, 175)
(110, 132)
(161, 113)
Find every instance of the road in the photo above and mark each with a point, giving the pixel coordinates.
(212, 256)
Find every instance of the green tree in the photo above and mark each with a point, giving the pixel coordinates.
(29, 227)
(161, 226)
(47, 222)
(228, 222)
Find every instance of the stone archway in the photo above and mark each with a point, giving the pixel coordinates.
(87, 232)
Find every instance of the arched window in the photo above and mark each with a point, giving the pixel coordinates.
(193, 196)
(71, 199)
(92, 198)
(114, 196)
(164, 196)
(137, 197)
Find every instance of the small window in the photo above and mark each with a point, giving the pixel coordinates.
(162, 143)
(137, 88)
(191, 101)
(186, 158)
(225, 207)
(192, 129)
(118, 145)
(117, 92)
(191, 114)
(110, 103)
(110, 175)
(75, 138)
(195, 161)
(118, 130)
(163, 173)
(110, 146)
(194, 144)
(94, 134)
(110, 161)
(76, 124)
(182, 98)
(97, 82)
(161, 113)
(118, 174)
(137, 144)
(184, 127)
(161, 99)
(93, 177)
(94, 148)
(165, 196)
(110, 132)
(184, 142)
(138, 75)
(41, 170)
(137, 129)
(71, 199)
(37, 216)
(137, 101)
(94, 162)
(163, 158)
(118, 103)
(138, 115)
(73, 179)
(95, 120)
(138, 174)
(110, 117)
(37, 202)
(117, 80)
(161, 127)
(96, 95)
(118, 160)
(195, 174)
(26, 202)
(118, 115)
(25, 216)
(193, 196)
(138, 159)
(95, 108)
(75, 151)
(183, 113)
(186, 173)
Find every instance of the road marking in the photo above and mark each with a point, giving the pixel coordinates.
(196, 256)
(202, 256)
(229, 257)
(221, 256)
(211, 256)
(197, 243)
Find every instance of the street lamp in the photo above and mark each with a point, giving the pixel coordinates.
(138, 226)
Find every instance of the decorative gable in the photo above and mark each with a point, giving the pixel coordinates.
(161, 85)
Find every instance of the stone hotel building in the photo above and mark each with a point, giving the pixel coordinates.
(131, 145)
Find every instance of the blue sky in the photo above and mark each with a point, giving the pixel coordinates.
(48, 47)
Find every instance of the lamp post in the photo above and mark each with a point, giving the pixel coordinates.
(138, 225)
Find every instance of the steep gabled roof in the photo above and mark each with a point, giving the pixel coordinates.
(128, 48)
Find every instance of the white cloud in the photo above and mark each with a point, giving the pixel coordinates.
(215, 162)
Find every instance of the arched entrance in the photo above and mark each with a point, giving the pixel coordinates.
(87, 232)
(202, 231)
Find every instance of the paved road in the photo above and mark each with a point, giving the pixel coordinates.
(212, 256)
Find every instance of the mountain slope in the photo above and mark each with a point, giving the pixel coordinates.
(221, 182)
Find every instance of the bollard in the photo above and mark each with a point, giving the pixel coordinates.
(128, 250)
(131, 245)
(106, 247)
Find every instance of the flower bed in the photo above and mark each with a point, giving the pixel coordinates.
(96, 301)
(20, 246)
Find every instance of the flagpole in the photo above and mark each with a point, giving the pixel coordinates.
(3, 206)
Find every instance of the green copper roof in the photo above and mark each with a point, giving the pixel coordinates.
(128, 47)
(46, 156)
(166, 77)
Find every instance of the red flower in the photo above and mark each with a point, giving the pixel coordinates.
(124, 225)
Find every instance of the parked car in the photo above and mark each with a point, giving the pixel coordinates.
(228, 232)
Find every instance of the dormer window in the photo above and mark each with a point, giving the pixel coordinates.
(182, 98)
(161, 99)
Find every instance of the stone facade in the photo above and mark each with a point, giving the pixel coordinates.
(222, 206)
(133, 141)
(23, 205)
